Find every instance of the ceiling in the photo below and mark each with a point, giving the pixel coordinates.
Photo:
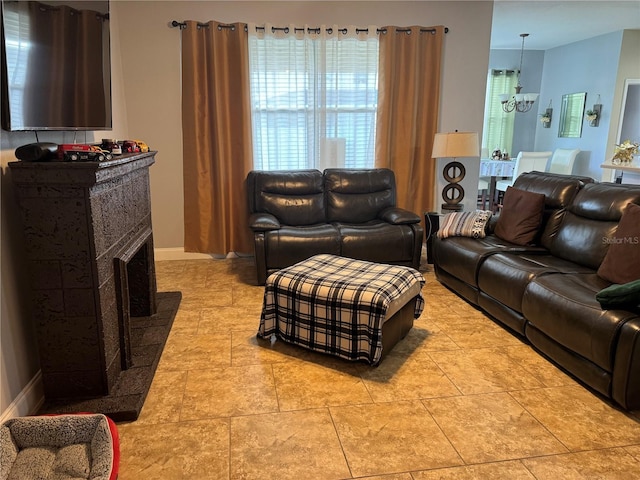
(553, 23)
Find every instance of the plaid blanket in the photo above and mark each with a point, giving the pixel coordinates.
(335, 305)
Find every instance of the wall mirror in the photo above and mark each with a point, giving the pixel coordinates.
(571, 113)
(629, 126)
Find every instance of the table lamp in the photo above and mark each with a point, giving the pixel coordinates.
(453, 145)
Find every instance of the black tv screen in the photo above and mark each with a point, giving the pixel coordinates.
(56, 66)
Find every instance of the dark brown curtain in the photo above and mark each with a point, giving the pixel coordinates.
(92, 34)
(408, 101)
(65, 56)
(216, 126)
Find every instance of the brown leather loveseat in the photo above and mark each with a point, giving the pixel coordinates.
(545, 292)
(296, 214)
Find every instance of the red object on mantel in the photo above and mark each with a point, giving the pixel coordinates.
(72, 147)
(130, 146)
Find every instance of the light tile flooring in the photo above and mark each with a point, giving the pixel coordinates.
(458, 398)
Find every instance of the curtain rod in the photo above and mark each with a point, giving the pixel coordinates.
(74, 11)
(183, 25)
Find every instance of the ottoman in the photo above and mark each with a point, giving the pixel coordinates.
(349, 308)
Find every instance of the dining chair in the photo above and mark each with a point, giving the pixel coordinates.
(483, 192)
(525, 162)
(563, 160)
(483, 182)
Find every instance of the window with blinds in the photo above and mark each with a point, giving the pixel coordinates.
(498, 125)
(17, 48)
(313, 101)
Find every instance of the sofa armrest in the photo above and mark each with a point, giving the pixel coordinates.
(398, 216)
(262, 222)
(491, 224)
(625, 389)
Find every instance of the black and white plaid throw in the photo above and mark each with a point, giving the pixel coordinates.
(335, 305)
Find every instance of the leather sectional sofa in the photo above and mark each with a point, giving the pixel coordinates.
(296, 214)
(545, 291)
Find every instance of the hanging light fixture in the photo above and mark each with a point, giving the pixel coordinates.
(520, 102)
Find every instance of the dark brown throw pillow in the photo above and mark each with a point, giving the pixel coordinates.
(521, 216)
(621, 264)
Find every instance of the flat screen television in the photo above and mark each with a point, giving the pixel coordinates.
(56, 65)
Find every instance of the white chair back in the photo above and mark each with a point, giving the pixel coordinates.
(563, 160)
(531, 162)
(525, 162)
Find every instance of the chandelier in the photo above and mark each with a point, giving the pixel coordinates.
(520, 102)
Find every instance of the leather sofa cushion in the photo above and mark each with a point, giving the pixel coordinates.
(580, 240)
(290, 245)
(589, 220)
(521, 216)
(621, 263)
(377, 241)
(558, 190)
(294, 197)
(358, 196)
(564, 308)
(461, 256)
(605, 201)
(504, 277)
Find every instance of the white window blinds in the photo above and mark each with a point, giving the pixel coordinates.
(17, 27)
(498, 125)
(313, 96)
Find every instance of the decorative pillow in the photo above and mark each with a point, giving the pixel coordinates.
(521, 216)
(618, 296)
(621, 264)
(464, 224)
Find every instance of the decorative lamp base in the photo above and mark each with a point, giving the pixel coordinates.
(453, 193)
(446, 207)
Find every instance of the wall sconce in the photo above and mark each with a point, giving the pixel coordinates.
(545, 118)
(593, 115)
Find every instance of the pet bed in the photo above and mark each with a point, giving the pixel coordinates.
(59, 447)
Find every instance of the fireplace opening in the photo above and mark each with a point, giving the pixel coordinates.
(135, 290)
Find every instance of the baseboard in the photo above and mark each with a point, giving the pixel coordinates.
(178, 253)
(29, 401)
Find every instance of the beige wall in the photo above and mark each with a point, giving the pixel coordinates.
(151, 70)
(146, 96)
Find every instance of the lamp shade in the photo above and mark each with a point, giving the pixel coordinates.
(456, 144)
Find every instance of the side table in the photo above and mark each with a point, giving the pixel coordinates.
(432, 225)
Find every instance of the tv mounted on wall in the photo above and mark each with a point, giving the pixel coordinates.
(56, 65)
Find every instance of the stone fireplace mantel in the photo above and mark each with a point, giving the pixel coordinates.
(89, 248)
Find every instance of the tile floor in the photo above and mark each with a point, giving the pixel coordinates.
(458, 398)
